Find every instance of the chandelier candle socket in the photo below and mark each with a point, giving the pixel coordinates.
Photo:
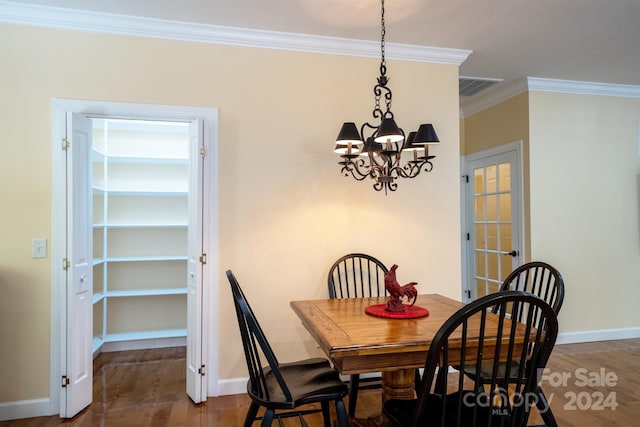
(378, 156)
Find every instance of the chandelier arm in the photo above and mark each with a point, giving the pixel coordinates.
(353, 168)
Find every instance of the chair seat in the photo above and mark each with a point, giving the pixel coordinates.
(400, 412)
(309, 381)
(486, 371)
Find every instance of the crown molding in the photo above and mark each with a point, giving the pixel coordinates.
(583, 88)
(73, 19)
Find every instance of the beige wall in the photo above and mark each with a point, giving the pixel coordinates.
(498, 125)
(585, 204)
(285, 212)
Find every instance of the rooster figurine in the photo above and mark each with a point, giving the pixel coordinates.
(397, 292)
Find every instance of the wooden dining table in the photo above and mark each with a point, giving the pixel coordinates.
(359, 343)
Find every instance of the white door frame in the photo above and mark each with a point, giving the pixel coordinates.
(210, 223)
(467, 253)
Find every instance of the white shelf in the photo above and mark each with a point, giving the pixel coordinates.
(146, 258)
(147, 193)
(146, 292)
(97, 297)
(148, 225)
(148, 160)
(146, 335)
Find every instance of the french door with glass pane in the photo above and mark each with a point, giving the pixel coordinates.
(493, 220)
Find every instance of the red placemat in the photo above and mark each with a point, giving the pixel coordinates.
(411, 312)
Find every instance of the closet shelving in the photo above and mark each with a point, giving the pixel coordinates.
(140, 225)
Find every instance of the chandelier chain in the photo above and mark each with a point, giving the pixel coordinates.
(382, 34)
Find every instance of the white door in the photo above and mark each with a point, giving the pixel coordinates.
(197, 258)
(77, 358)
(493, 219)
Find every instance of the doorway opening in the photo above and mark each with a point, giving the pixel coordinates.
(152, 243)
(140, 191)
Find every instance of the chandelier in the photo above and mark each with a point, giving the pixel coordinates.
(378, 155)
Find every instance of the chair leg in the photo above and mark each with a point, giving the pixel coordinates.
(251, 414)
(353, 394)
(545, 410)
(417, 381)
(341, 412)
(326, 415)
(267, 418)
(441, 380)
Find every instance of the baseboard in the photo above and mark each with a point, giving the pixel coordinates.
(598, 335)
(25, 409)
(230, 386)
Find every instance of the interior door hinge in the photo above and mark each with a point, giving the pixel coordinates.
(65, 264)
(65, 144)
(203, 258)
(468, 236)
(468, 292)
(203, 151)
(466, 178)
(201, 370)
(65, 381)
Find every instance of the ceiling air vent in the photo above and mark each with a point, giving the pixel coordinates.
(471, 85)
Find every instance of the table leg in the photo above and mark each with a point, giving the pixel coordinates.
(397, 384)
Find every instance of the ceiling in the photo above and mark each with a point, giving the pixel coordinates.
(579, 40)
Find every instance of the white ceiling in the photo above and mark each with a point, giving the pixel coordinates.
(579, 40)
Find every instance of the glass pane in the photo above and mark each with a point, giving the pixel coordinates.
(480, 269)
(478, 181)
(479, 208)
(492, 237)
(505, 267)
(504, 172)
(505, 207)
(492, 186)
(492, 266)
(492, 208)
(481, 242)
(493, 287)
(505, 237)
(480, 288)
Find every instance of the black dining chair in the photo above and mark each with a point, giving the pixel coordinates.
(475, 333)
(358, 275)
(546, 282)
(284, 387)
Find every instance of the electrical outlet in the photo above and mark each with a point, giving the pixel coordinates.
(38, 248)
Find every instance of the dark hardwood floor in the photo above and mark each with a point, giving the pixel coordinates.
(591, 384)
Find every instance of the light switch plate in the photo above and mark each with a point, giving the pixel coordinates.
(38, 248)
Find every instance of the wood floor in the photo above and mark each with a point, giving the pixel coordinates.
(591, 384)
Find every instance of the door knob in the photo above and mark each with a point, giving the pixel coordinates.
(513, 253)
